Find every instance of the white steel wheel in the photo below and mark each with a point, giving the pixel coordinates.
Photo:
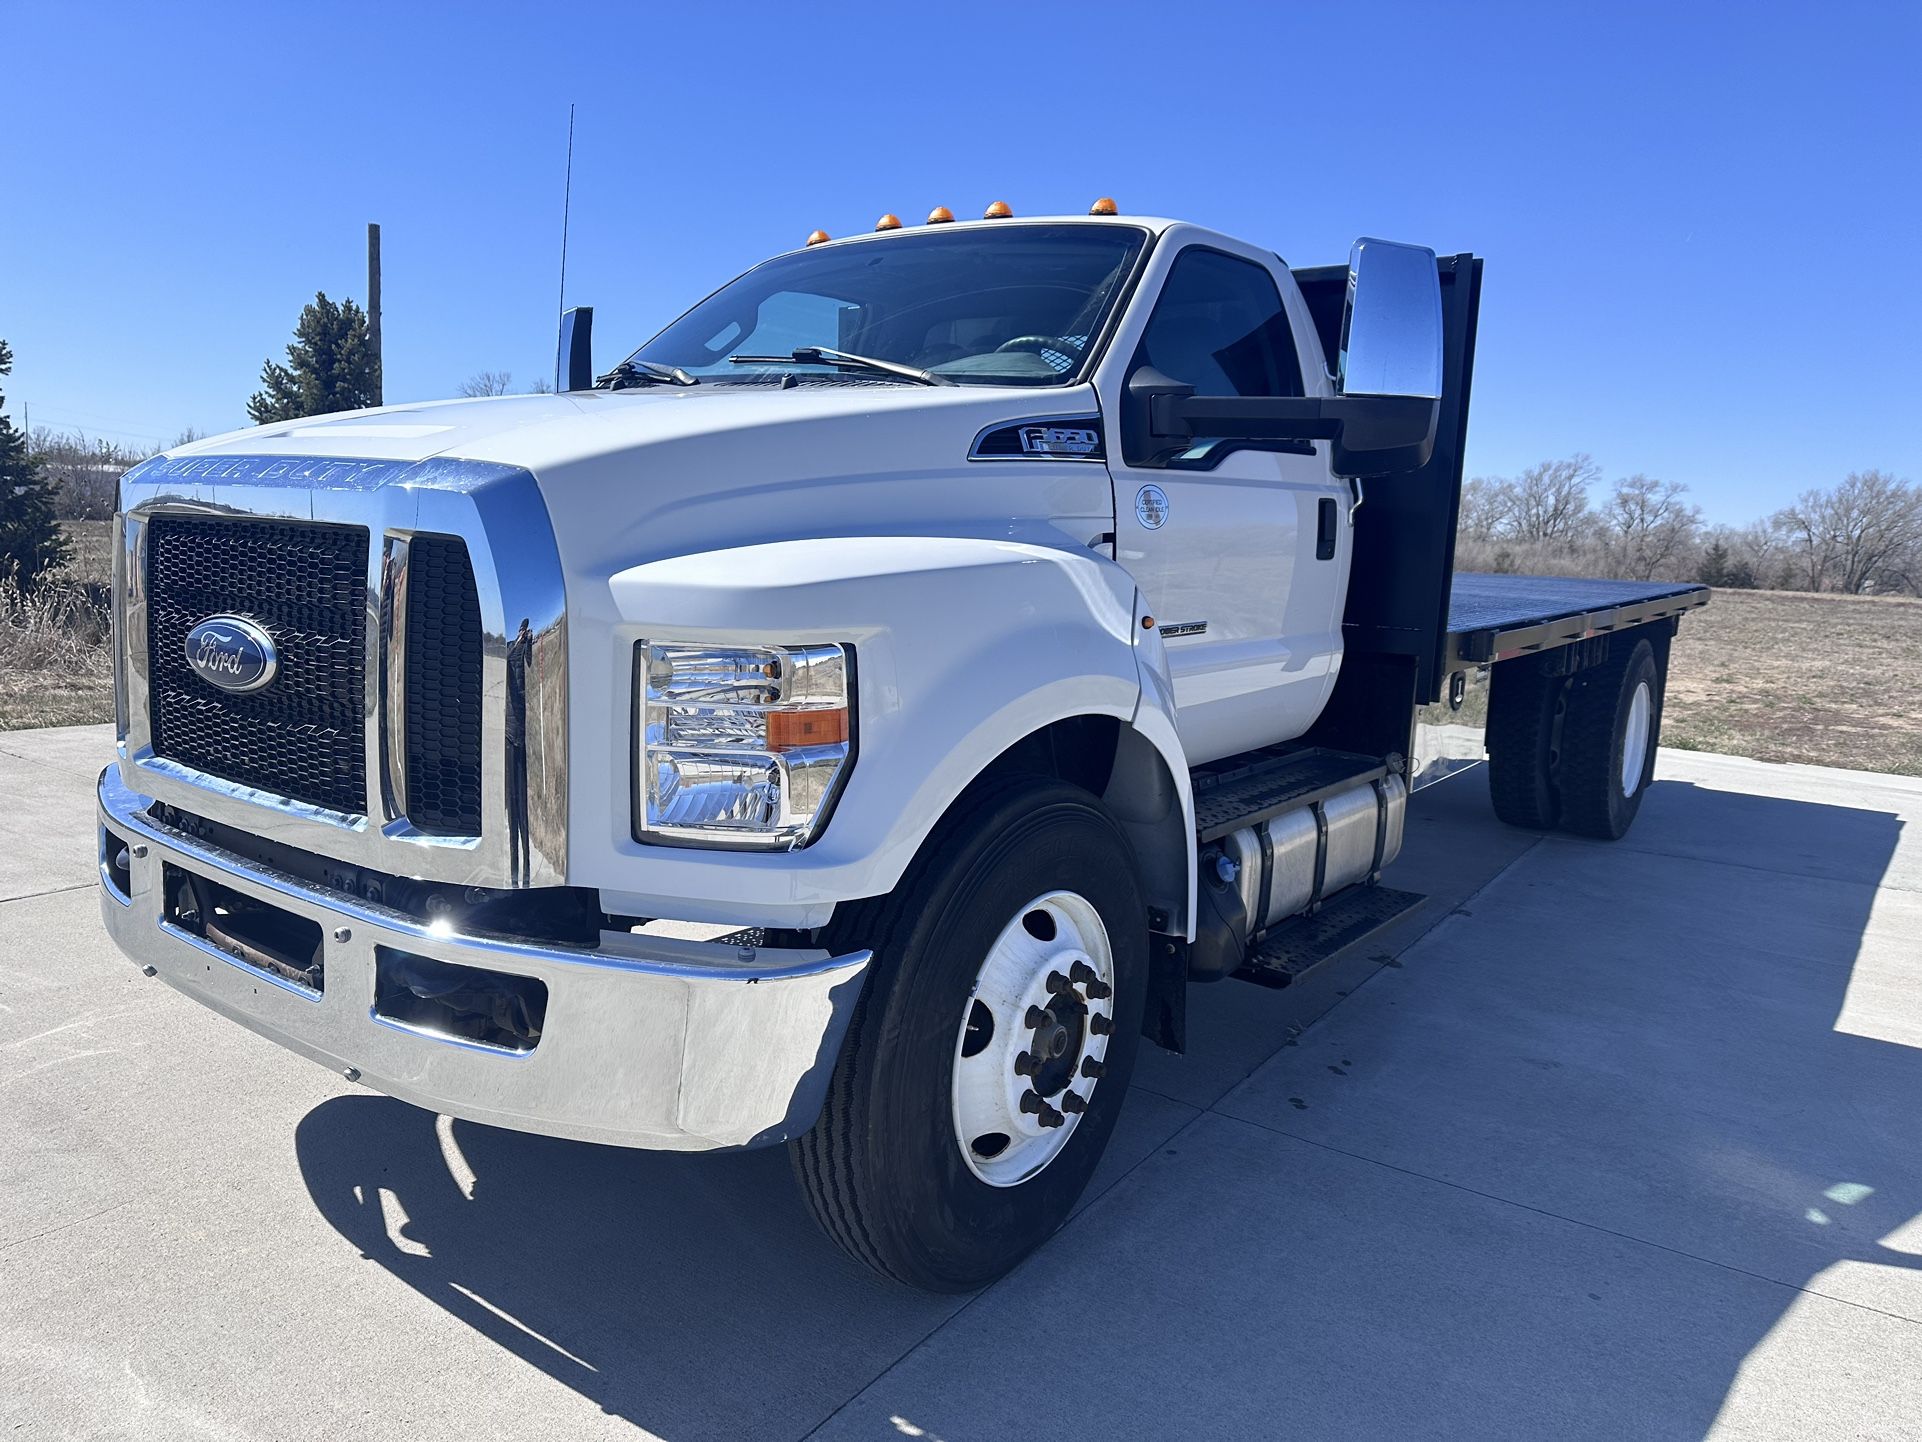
(1641, 710)
(1029, 1050)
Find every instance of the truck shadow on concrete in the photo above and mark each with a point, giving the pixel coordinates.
(693, 1296)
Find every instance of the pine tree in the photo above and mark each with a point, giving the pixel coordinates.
(330, 366)
(31, 542)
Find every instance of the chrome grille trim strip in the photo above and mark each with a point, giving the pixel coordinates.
(523, 789)
(393, 620)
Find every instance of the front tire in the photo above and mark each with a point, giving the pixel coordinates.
(1022, 919)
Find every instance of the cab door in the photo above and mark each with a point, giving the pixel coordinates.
(1240, 550)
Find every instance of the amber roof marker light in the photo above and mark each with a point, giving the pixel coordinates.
(998, 211)
(890, 221)
(940, 215)
(1104, 206)
(819, 237)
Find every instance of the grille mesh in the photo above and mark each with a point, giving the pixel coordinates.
(443, 688)
(302, 736)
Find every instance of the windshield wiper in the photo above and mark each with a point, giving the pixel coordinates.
(822, 355)
(645, 373)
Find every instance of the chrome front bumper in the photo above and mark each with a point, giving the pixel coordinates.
(647, 1042)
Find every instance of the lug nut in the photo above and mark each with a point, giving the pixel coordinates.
(1099, 991)
(1081, 973)
(1099, 1025)
(1092, 1069)
(1026, 1064)
(1031, 1104)
(1073, 1102)
(1036, 1018)
(1050, 1117)
(1059, 984)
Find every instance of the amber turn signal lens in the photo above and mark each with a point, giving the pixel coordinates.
(791, 730)
(940, 215)
(819, 237)
(1104, 206)
(888, 222)
(998, 211)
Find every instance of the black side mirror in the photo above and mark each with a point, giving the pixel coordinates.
(1390, 365)
(574, 364)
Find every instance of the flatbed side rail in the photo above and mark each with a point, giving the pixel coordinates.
(1502, 643)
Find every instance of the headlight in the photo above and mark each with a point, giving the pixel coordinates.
(739, 745)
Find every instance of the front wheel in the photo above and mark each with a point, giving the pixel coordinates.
(986, 1064)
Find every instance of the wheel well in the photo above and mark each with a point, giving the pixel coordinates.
(1077, 749)
(1123, 767)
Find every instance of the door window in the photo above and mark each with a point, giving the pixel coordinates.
(1219, 327)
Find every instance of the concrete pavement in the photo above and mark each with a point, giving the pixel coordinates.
(1601, 1141)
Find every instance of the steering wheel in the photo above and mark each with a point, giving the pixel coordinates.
(1035, 344)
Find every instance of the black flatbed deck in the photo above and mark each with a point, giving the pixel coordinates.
(1491, 618)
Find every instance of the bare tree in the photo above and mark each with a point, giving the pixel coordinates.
(1483, 509)
(1650, 527)
(85, 471)
(187, 437)
(1857, 537)
(487, 383)
(541, 387)
(1549, 501)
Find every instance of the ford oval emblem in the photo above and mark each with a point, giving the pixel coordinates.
(232, 653)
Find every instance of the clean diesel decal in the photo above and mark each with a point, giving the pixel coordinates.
(1151, 507)
(232, 653)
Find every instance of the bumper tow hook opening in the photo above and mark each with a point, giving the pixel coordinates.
(464, 1003)
(283, 945)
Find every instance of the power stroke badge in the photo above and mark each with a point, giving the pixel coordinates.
(232, 654)
(1151, 507)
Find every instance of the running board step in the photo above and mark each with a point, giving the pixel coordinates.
(1300, 945)
(1227, 799)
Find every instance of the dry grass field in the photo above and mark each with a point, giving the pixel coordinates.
(1787, 676)
(55, 667)
(1776, 675)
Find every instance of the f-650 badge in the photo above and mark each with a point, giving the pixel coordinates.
(1060, 440)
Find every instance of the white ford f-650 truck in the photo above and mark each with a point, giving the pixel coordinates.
(983, 630)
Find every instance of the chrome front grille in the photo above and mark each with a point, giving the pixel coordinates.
(302, 737)
(417, 722)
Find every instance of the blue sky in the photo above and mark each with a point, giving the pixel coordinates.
(1702, 223)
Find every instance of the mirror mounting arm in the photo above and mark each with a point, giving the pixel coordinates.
(1372, 435)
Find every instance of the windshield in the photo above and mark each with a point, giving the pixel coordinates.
(1015, 306)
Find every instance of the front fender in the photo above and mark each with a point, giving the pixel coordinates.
(963, 646)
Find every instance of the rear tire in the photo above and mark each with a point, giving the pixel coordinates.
(1608, 742)
(1524, 726)
(884, 1170)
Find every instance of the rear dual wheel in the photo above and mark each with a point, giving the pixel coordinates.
(988, 1060)
(1576, 753)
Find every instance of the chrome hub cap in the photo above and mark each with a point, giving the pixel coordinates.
(1635, 739)
(1033, 1037)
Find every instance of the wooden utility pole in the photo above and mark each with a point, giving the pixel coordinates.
(373, 308)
